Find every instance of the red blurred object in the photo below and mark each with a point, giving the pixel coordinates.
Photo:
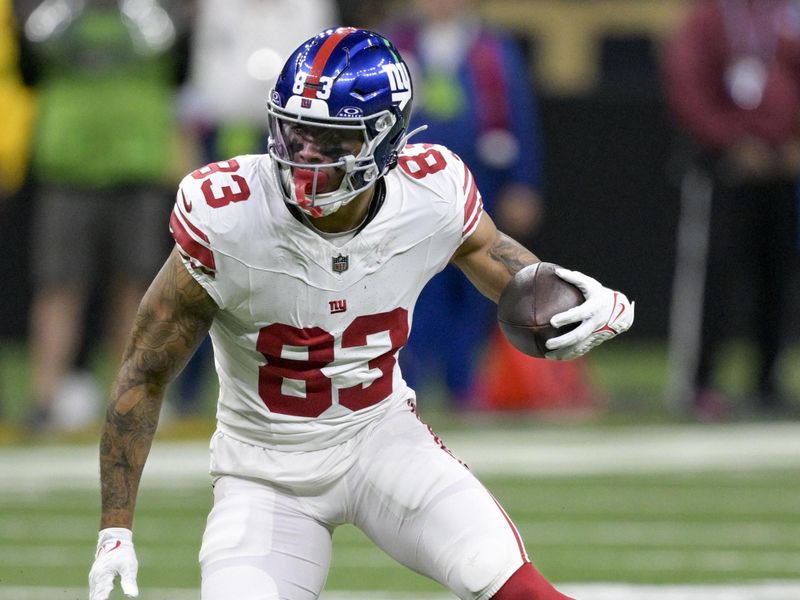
(512, 381)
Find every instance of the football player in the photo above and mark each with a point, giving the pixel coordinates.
(304, 265)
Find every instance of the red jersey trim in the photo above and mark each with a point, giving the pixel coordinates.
(515, 531)
(476, 217)
(186, 222)
(436, 439)
(473, 207)
(196, 251)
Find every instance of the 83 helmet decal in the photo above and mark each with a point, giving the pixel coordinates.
(349, 92)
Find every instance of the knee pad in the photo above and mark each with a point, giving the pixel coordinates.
(484, 565)
(528, 584)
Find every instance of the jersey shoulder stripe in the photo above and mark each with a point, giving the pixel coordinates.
(192, 242)
(473, 207)
(443, 172)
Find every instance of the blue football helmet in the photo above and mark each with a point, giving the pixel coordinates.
(349, 92)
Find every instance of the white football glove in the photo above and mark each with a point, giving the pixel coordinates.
(115, 556)
(604, 314)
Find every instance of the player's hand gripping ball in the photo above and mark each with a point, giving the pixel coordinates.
(529, 301)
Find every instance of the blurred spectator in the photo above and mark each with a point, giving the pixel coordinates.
(474, 94)
(16, 118)
(369, 14)
(103, 158)
(238, 49)
(17, 113)
(732, 77)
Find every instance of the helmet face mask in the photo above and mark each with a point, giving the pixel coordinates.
(337, 118)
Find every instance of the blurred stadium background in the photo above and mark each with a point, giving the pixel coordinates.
(628, 494)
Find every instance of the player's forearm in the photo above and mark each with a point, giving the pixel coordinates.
(131, 421)
(509, 256)
(173, 318)
(493, 262)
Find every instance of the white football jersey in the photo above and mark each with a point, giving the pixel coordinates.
(308, 332)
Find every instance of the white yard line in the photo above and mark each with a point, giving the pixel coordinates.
(548, 452)
(593, 591)
(651, 449)
(748, 591)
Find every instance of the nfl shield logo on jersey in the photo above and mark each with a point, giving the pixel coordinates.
(340, 264)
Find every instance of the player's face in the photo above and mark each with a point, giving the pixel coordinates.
(311, 145)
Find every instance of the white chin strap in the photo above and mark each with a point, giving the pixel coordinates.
(322, 211)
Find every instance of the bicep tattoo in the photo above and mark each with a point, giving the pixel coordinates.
(172, 320)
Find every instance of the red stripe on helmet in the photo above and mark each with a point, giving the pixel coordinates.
(321, 59)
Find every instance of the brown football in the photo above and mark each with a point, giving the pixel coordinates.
(528, 302)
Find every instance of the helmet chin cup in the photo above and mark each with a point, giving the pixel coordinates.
(299, 189)
(328, 209)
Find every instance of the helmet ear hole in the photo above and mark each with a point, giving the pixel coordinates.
(385, 122)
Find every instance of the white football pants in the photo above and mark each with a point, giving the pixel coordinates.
(406, 492)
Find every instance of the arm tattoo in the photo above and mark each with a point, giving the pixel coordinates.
(511, 254)
(173, 318)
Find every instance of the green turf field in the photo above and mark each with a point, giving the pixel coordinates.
(657, 529)
(631, 495)
(717, 521)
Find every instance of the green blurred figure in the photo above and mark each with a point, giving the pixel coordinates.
(103, 159)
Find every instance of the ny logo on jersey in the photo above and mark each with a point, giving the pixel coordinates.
(340, 263)
(400, 83)
(338, 306)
